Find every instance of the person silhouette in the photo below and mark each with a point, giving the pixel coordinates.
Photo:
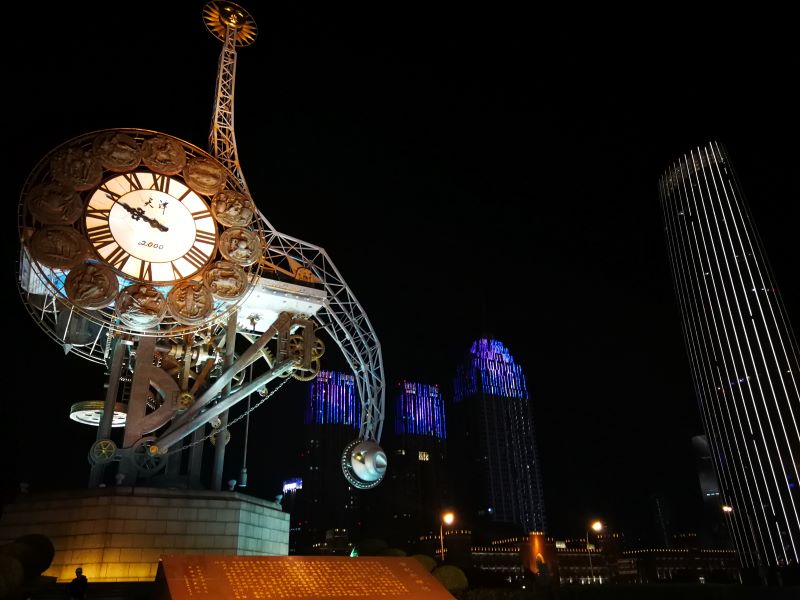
(77, 587)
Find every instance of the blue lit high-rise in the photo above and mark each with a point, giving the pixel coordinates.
(332, 401)
(419, 410)
(327, 506)
(415, 490)
(494, 430)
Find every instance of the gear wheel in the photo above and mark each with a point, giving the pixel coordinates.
(147, 462)
(185, 400)
(102, 452)
(307, 375)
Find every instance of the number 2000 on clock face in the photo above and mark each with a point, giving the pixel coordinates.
(150, 227)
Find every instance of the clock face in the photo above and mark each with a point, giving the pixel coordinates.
(150, 227)
(135, 231)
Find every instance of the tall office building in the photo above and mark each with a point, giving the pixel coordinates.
(327, 502)
(743, 354)
(415, 491)
(493, 434)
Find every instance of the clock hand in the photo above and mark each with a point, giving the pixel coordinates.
(138, 213)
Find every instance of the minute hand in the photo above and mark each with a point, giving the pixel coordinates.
(138, 213)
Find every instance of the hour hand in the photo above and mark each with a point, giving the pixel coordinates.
(155, 224)
(138, 213)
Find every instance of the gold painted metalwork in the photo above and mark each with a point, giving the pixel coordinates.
(219, 16)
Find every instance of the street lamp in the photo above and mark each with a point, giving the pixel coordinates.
(447, 519)
(597, 527)
(728, 510)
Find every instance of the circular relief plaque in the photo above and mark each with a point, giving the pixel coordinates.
(117, 151)
(204, 176)
(240, 245)
(54, 204)
(76, 168)
(141, 306)
(190, 302)
(91, 286)
(163, 155)
(58, 247)
(226, 280)
(232, 209)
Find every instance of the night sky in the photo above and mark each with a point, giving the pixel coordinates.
(471, 173)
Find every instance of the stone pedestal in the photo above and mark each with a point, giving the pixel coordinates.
(118, 534)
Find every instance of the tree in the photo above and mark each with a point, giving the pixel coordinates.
(452, 578)
(371, 547)
(428, 562)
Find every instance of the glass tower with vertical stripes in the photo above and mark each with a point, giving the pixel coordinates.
(743, 354)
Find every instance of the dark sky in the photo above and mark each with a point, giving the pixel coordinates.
(470, 173)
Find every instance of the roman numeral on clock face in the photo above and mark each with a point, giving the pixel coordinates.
(110, 194)
(189, 263)
(205, 237)
(133, 180)
(196, 257)
(98, 213)
(117, 258)
(146, 271)
(161, 183)
(100, 235)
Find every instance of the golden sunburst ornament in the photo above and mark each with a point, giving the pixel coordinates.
(221, 15)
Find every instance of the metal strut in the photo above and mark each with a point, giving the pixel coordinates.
(221, 140)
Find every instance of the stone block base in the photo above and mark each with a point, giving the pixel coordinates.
(118, 534)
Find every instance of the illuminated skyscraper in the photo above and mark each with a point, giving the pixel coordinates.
(415, 489)
(327, 502)
(419, 410)
(742, 351)
(493, 430)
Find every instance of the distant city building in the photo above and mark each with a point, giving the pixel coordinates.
(492, 433)
(609, 559)
(743, 354)
(707, 478)
(292, 489)
(415, 489)
(326, 501)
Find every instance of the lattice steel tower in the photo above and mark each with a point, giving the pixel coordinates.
(743, 354)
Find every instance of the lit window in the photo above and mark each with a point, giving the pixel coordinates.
(424, 456)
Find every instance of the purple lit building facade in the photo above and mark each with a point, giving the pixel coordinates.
(499, 486)
(415, 489)
(743, 355)
(419, 410)
(326, 501)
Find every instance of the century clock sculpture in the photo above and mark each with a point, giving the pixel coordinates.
(142, 252)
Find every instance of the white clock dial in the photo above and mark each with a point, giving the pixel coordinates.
(150, 227)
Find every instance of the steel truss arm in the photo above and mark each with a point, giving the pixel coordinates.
(342, 316)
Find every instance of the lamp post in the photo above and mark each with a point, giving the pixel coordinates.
(447, 519)
(597, 527)
(728, 510)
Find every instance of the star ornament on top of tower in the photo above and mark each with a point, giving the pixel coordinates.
(222, 17)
